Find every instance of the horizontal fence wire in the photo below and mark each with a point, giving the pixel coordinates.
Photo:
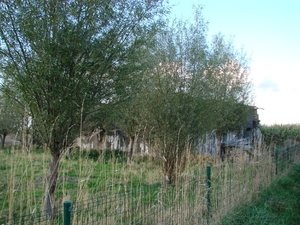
(36, 218)
(189, 201)
(235, 184)
(143, 205)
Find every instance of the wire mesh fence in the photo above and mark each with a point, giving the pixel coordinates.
(36, 218)
(146, 204)
(199, 197)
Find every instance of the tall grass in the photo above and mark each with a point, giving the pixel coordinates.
(103, 188)
(277, 204)
(82, 177)
(284, 132)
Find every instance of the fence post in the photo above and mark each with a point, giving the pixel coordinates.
(208, 172)
(67, 212)
(276, 161)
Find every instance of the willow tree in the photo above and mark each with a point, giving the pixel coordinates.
(194, 87)
(229, 88)
(173, 113)
(67, 58)
(170, 118)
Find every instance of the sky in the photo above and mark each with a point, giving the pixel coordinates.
(269, 32)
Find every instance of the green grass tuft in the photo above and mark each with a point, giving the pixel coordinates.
(278, 204)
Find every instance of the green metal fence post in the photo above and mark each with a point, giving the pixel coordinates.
(276, 161)
(67, 212)
(208, 172)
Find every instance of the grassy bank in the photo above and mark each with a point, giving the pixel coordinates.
(277, 204)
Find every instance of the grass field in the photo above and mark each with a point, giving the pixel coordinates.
(23, 178)
(136, 193)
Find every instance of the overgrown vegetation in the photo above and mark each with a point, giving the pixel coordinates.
(77, 66)
(137, 188)
(281, 132)
(10, 119)
(72, 67)
(277, 204)
(64, 60)
(83, 176)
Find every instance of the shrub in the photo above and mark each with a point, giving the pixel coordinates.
(284, 132)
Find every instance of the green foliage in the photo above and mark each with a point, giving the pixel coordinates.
(192, 87)
(284, 132)
(140, 189)
(10, 118)
(278, 204)
(23, 176)
(75, 56)
(65, 59)
(104, 156)
(93, 154)
(38, 151)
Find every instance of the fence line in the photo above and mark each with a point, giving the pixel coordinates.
(202, 197)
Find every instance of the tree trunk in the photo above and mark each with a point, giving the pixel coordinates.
(131, 149)
(51, 183)
(25, 131)
(3, 140)
(169, 166)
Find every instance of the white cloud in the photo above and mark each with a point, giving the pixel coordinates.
(269, 84)
(281, 107)
(277, 87)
